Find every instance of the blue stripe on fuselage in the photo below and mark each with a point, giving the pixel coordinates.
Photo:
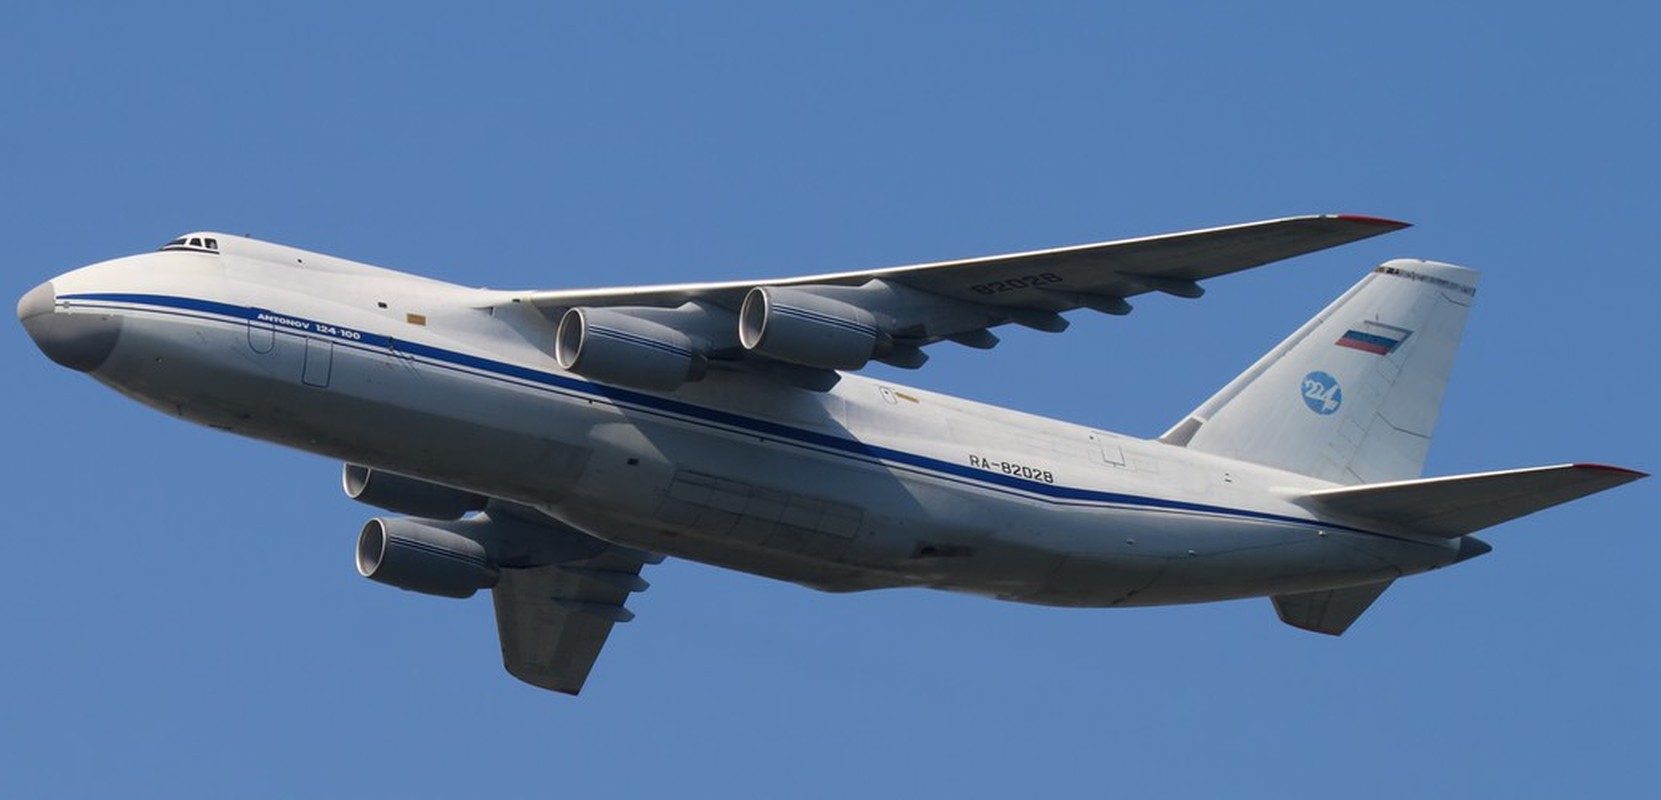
(822, 442)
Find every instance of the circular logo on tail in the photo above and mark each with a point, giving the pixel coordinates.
(1321, 392)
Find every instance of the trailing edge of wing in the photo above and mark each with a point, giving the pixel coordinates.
(1460, 504)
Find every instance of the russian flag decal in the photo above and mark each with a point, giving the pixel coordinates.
(1374, 337)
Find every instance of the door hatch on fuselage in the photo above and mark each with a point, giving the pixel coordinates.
(262, 335)
(1111, 452)
(319, 362)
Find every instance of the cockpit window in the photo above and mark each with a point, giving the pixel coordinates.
(195, 244)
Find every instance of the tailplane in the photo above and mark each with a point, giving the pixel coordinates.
(1460, 504)
(1329, 611)
(1352, 396)
(1452, 507)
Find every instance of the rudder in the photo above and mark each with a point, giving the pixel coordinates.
(1353, 395)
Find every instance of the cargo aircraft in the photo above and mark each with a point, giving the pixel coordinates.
(547, 445)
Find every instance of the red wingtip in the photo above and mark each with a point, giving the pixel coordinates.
(1607, 468)
(1393, 223)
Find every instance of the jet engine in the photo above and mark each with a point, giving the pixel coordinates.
(405, 495)
(421, 558)
(617, 346)
(801, 327)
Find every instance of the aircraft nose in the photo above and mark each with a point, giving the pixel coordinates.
(38, 301)
(78, 340)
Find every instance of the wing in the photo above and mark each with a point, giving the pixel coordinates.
(554, 619)
(658, 337)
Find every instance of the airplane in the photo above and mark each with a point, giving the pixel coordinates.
(548, 445)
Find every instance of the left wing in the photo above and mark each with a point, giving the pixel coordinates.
(553, 620)
(658, 337)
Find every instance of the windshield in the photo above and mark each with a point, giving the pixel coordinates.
(200, 244)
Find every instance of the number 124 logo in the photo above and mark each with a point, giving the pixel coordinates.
(1321, 393)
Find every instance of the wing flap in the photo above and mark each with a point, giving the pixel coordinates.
(1460, 504)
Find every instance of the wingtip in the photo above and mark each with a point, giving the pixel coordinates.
(1393, 224)
(1631, 474)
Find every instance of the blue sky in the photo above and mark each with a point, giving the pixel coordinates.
(181, 613)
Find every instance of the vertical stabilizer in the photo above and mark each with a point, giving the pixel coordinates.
(1353, 395)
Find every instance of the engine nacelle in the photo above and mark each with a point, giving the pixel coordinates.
(422, 558)
(404, 495)
(614, 346)
(801, 327)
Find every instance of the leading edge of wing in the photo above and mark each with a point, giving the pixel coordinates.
(1305, 234)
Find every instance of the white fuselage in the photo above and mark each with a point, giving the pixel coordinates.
(867, 485)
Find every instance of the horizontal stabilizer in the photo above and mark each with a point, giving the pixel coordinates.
(1459, 504)
(1330, 611)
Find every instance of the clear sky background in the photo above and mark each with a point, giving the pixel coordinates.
(179, 615)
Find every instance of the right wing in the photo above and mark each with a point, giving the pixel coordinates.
(839, 321)
(1170, 262)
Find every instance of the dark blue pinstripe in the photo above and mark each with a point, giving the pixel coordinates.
(813, 439)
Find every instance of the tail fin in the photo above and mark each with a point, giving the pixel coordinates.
(1353, 395)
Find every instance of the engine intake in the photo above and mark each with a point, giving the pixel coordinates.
(615, 346)
(805, 328)
(404, 495)
(422, 558)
